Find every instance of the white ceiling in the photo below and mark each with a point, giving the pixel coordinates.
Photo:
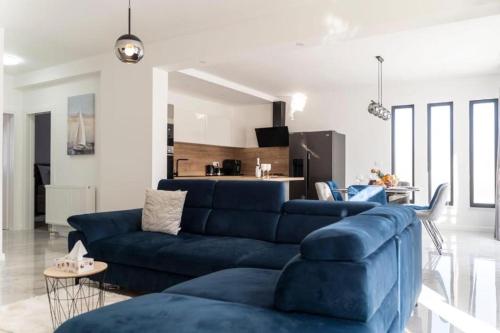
(186, 84)
(445, 51)
(49, 32)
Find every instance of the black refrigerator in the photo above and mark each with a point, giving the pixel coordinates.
(318, 157)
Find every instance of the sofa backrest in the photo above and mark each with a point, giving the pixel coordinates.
(249, 209)
(363, 249)
(254, 209)
(301, 217)
(198, 204)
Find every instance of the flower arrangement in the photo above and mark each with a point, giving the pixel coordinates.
(382, 179)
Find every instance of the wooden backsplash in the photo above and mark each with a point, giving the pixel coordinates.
(277, 156)
(200, 155)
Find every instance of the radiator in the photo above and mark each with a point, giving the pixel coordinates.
(64, 201)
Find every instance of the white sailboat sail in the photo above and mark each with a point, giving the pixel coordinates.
(80, 138)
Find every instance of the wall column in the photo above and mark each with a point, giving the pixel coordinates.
(2, 256)
(132, 133)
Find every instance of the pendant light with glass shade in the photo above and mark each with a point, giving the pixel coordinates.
(129, 48)
(377, 108)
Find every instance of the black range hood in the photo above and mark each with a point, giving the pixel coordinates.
(276, 136)
(272, 136)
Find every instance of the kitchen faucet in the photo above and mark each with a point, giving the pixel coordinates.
(176, 173)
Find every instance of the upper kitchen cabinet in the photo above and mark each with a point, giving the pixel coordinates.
(221, 113)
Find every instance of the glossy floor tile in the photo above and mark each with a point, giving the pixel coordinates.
(460, 291)
(27, 253)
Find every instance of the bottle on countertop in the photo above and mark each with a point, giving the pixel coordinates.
(258, 170)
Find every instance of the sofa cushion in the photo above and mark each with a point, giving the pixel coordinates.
(246, 224)
(246, 209)
(189, 254)
(200, 192)
(275, 256)
(166, 313)
(249, 196)
(198, 202)
(252, 286)
(163, 211)
(136, 248)
(210, 254)
(301, 217)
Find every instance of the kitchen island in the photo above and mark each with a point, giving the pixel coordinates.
(285, 179)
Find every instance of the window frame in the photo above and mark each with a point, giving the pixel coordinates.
(394, 108)
(429, 141)
(471, 149)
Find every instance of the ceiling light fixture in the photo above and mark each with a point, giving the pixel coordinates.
(11, 60)
(377, 108)
(298, 104)
(129, 48)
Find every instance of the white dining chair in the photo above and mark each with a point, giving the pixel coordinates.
(324, 192)
(429, 215)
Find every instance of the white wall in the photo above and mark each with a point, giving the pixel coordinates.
(65, 170)
(369, 138)
(1, 136)
(13, 105)
(200, 120)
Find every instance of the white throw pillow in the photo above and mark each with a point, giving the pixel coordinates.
(163, 211)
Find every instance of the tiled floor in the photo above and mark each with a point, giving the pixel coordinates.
(27, 253)
(460, 287)
(460, 291)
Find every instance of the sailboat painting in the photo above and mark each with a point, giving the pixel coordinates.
(81, 125)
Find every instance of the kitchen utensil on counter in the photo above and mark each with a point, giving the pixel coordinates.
(231, 167)
(210, 170)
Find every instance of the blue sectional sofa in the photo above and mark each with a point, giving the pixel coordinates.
(247, 261)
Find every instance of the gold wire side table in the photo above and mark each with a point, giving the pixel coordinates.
(72, 294)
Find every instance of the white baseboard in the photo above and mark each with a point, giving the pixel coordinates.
(62, 231)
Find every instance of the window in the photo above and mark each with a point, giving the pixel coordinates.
(483, 129)
(403, 142)
(440, 146)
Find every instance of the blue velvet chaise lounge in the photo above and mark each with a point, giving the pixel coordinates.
(247, 261)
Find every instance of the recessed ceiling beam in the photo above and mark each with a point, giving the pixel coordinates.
(228, 84)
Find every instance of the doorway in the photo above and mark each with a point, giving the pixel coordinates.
(41, 166)
(8, 171)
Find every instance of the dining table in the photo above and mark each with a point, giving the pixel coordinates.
(398, 195)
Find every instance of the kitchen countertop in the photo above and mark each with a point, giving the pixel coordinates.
(272, 179)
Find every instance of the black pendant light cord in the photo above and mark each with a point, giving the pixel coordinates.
(378, 83)
(380, 91)
(129, 17)
(381, 88)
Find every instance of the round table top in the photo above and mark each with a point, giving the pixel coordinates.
(53, 272)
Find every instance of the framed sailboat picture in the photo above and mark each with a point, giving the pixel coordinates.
(81, 125)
